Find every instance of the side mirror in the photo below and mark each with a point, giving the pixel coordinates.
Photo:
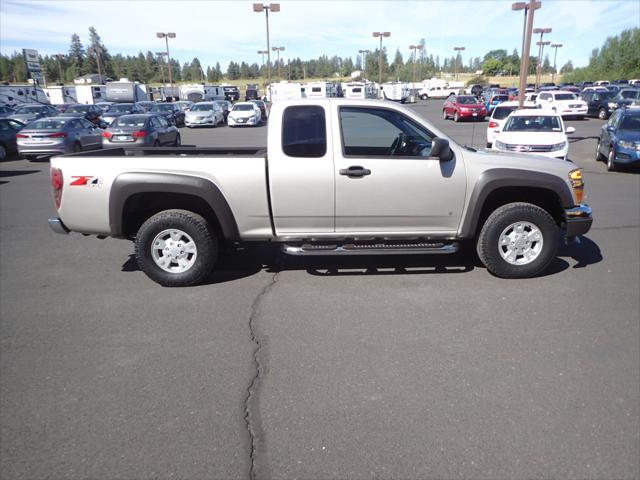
(570, 130)
(440, 148)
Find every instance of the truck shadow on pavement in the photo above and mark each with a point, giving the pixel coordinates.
(234, 265)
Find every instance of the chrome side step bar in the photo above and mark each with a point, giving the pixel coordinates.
(416, 248)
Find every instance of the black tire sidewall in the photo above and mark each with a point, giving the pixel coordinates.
(501, 218)
(192, 224)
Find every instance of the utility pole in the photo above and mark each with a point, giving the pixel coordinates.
(273, 7)
(160, 62)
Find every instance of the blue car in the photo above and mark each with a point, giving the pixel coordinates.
(619, 141)
(492, 101)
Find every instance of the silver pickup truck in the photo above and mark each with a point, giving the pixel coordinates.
(338, 177)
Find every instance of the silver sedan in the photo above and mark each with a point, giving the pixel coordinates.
(58, 135)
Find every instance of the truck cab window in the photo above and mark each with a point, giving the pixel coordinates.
(304, 132)
(382, 132)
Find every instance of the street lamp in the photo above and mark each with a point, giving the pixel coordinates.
(555, 55)
(262, 52)
(458, 50)
(540, 44)
(278, 49)
(529, 9)
(414, 49)
(274, 7)
(375, 35)
(364, 61)
(96, 50)
(166, 37)
(160, 55)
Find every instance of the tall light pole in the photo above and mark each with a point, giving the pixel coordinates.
(364, 61)
(529, 9)
(458, 50)
(540, 44)
(375, 35)
(96, 51)
(160, 62)
(414, 48)
(555, 55)
(273, 7)
(262, 52)
(278, 49)
(167, 36)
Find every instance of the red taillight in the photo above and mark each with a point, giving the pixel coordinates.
(56, 184)
(21, 135)
(107, 134)
(493, 124)
(57, 135)
(139, 134)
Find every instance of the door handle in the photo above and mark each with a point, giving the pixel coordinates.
(355, 171)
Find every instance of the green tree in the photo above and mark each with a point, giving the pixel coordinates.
(77, 56)
(567, 67)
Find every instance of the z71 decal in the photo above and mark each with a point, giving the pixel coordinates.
(85, 181)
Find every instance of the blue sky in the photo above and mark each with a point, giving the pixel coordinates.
(220, 31)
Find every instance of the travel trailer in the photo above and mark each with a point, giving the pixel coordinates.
(90, 94)
(61, 94)
(13, 95)
(286, 91)
(361, 90)
(323, 90)
(199, 92)
(124, 91)
(396, 91)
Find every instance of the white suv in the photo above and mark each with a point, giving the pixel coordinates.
(564, 103)
(499, 115)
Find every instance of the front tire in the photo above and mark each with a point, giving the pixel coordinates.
(176, 248)
(424, 96)
(518, 240)
(3, 152)
(456, 117)
(178, 141)
(611, 161)
(599, 155)
(444, 115)
(602, 114)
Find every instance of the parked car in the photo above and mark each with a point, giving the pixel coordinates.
(104, 105)
(534, 131)
(8, 131)
(146, 105)
(491, 101)
(598, 103)
(499, 116)
(185, 105)
(264, 111)
(565, 103)
(58, 135)
(27, 113)
(204, 114)
(619, 141)
(625, 98)
(141, 130)
(93, 113)
(6, 111)
(118, 109)
(231, 93)
(463, 106)
(171, 112)
(244, 113)
(226, 106)
(474, 89)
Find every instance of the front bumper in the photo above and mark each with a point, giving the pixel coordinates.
(57, 226)
(196, 122)
(241, 121)
(626, 156)
(578, 220)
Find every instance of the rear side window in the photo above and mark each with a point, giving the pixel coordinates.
(501, 113)
(304, 132)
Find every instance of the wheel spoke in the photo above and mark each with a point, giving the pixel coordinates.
(190, 247)
(519, 228)
(159, 244)
(512, 255)
(175, 235)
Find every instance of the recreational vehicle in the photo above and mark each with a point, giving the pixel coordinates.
(199, 92)
(91, 94)
(60, 94)
(124, 91)
(14, 95)
(396, 91)
(323, 90)
(286, 91)
(361, 90)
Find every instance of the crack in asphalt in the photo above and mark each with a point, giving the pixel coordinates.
(251, 417)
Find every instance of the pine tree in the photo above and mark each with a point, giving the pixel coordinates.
(77, 56)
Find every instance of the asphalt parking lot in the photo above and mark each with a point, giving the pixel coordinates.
(334, 368)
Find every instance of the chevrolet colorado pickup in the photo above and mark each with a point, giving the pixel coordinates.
(338, 177)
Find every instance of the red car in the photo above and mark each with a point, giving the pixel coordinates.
(463, 106)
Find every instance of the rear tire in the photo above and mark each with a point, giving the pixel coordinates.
(3, 152)
(518, 240)
(77, 147)
(156, 143)
(424, 96)
(176, 248)
(178, 141)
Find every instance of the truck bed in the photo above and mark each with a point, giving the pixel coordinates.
(126, 151)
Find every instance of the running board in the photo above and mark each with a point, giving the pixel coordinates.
(417, 248)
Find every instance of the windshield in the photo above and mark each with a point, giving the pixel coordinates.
(501, 113)
(162, 108)
(120, 108)
(202, 107)
(47, 125)
(565, 96)
(78, 109)
(538, 123)
(628, 94)
(500, 98)
(467, 100)
(130, 121)
(243, 108)
(23, 110)
(632, 122)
